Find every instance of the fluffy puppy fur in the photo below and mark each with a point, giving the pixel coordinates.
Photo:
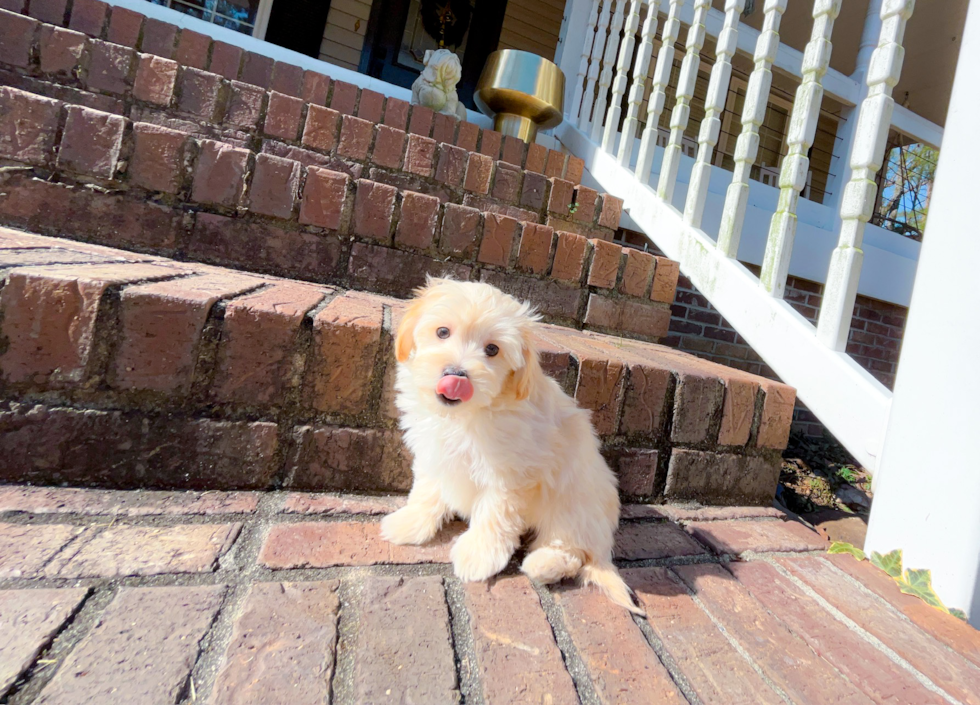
(518, 456)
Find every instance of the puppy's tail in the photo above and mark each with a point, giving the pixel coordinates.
(605, 576)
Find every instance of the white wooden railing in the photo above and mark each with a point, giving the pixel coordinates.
(666, 194)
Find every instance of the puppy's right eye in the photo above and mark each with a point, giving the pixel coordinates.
(442, 333)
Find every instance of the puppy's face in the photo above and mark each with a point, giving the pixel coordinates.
(467, 346)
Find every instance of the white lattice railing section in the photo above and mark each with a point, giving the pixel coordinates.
(846, 398)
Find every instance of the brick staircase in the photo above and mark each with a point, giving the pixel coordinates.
(136, 157)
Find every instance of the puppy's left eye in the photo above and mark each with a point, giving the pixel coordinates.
(491, 350)
(442, 333)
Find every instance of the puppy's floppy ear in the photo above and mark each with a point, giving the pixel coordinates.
(528, 376)
(405, 339)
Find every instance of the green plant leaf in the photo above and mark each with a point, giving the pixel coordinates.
(959, 614)
(891, 563)
(843, 547)
(919, 583)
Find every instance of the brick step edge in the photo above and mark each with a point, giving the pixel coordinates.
(109, 56)
(314, 223)
(196, 370)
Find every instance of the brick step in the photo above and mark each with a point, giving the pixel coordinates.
(211, 202)
(126, 370)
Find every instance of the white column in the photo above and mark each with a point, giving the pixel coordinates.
(575, 40)
(927, 499)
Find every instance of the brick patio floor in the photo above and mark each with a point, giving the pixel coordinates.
(163, 597)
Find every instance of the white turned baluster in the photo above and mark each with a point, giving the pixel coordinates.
(682, 107)
(605, 78)
(622, 76)
(802, 128)
(661, 77)
(588, 99)
(632, 122)
(753, 114)
(714, 106)
(867, 156)
(590, 38)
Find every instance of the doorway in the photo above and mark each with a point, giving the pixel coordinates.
(298, 25)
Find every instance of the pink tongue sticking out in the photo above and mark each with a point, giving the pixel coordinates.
(453, 387)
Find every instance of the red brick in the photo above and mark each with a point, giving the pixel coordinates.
(88, 16)
(444, 128)
(460, 231)
(534, 255)
(615, 652)
(320, 132)
(497, 245)
(468, 135)
(777, 415)
(638, 275)
(490, 143)
(555, 164)
(397, 272)
(644, 541)
(370, 105)
(200, 93)
(282, 647)
(612, 210)
(28, 126)
(533, 191)
(389, 146)
(275, 184)
(157, 158)
(585, 204)
(665, 280)
(193, 48)
(39, 616)
(374, 207)
(738, 410)
(355, 138)
(571, 253)
(414, 663)
(638, 472)
(698, 399)
(124, 27)
(24, 550)
(953, 673)
(287, 79)
(536, 157)
(736, 537)
(109, 66)
(720, 477)
(316, 86)
(62, 500)
(220, 174)
(479, 171)
(244, 106)
(146, 550)
(684, 514)
(340, 368)
(160, 325)
(452, 165)
(142, 648)
(860, 662)
(339, 504)
(599, 388)
(418, 221)
(560, 200)
(61, 50)
(421, 121)
(257, 70)
(396, 114)
(606, 258)
(323, 198)
(646, 390)
(574, 169)
(155, 80)
(283, 116)
(226, 60)
(343, 98)
(516, 654)
(713, 668)
(420, 155)
(513, 152)
(158, 38)
(354, 543)
(644, 319)
(91, 142)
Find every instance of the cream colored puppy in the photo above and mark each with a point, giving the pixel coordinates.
(498, 443)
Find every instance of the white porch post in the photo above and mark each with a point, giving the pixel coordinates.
(568, 53)
(841, 162)
(928, 498)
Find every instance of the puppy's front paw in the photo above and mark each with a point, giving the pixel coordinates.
(408, 526)
(477, 557)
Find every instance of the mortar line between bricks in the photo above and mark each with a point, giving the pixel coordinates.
(733, 641)
(675, 673)
(464, 651)
(569, 653)
(348, 625)
(861, 631)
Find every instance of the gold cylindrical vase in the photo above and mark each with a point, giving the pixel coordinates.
(522, 92)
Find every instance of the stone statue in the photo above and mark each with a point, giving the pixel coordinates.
(436, 87)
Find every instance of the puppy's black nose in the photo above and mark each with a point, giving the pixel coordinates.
(454, 371)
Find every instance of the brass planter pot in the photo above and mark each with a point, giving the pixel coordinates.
(522, 92)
